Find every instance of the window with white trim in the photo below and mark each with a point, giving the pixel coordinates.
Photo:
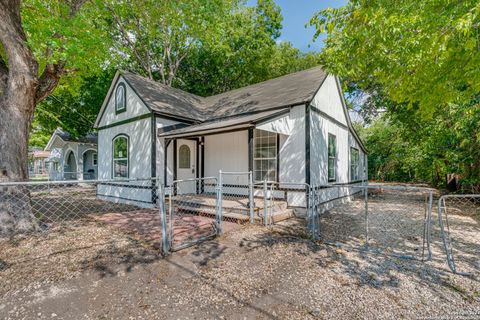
(120, 99)
(332, 157)
(120, 157)
(354, 164)
(94, 159)
(265, 155)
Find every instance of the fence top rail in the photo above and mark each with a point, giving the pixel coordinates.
(234, 173)
(359, 186)
(466, 195)
(195, 179)
(62, 182)
(303, 184)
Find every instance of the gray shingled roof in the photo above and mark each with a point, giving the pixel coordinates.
(65, 136)
(292, 89)
(164, 99)
(243, 121)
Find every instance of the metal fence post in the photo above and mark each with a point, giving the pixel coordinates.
(366, 216)
(219, 202)
(250, 195)
(170, 213)
(163, 219)
(265, 203)
(310, 226)
(313, 213)
(428, 225)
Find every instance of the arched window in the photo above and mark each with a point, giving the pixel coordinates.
(120, 99)
(184, 157)
(120, 156)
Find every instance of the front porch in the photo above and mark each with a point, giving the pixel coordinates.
(255, 161)
(234, 209)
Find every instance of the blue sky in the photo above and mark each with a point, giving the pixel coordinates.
(296, 14)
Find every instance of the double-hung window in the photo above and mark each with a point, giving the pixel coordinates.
(120, 157)
(120, 99)
(332, 158)
(354, 164)
(265, 155)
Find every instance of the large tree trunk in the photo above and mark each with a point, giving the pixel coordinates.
(15, 119)
(18, 90)
(21, 88)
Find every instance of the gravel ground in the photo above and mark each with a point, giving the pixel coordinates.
(97, 272)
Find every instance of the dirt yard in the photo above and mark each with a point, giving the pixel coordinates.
(97, 271)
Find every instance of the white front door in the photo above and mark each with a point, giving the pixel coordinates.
(186, 160)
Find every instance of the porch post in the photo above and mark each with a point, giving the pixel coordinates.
(250, 194)
(250, 149)
(174, 159)
(165, 160)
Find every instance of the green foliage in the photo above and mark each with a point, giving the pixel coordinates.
(411, 69)
(73, 109)
(55, 33)
(403, 147)
(209, 71)
(423, 53)
(201, 46)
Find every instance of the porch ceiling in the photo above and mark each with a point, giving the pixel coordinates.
(225, 124)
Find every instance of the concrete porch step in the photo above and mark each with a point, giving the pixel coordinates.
(238, 217)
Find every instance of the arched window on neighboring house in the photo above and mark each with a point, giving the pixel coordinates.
(120, 99)
(120, 157)
(184, 157)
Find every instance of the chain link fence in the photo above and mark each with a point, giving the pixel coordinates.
(459, 220)
(238, 202)
(393, 220)
(27, 207)
(388, 219)
(190, 212)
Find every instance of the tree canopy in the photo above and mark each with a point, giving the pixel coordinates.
(203, 47)
(422, 53)
(411, 70)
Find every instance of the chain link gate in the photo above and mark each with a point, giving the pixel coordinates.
(238, 201)
(459, 220)
(190, 212)
(392, 220)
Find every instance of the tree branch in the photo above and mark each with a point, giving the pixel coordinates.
(49, 79)
(22, 66)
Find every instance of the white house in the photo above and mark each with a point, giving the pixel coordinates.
(72, 158)
(291, 129)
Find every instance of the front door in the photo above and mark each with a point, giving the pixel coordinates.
(186, 160)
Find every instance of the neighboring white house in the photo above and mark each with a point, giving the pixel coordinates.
(294, 128)
(72, 158)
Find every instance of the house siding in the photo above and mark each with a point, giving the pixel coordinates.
(140, 149)
(291, 150)
(160, 151)
(135, 106)
(227, 152)
(328, 117)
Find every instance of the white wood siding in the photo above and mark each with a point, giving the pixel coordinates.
(291, 128)
(160, 156)
(329, 101)
(135, 106)
(292, 148)
(320, 128)
(139, 148)
(227, 152)
(331, 119)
